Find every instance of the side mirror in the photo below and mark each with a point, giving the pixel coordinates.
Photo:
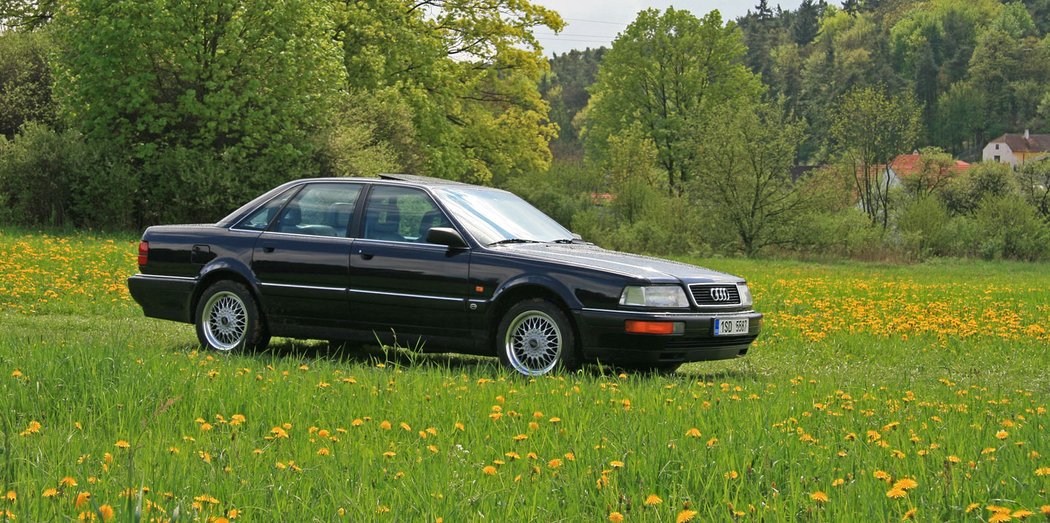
(446, 236)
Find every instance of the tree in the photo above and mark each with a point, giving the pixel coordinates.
(667, 71)
(870, 130)
(466, 72)
(27, 14)
(807, 22)
(1034, 179)
(211, 101)
(746, 161)
(25, 81)
(935, 170)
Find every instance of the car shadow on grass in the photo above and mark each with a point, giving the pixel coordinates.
(373, 354)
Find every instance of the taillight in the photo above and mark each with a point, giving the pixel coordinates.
(143, 253)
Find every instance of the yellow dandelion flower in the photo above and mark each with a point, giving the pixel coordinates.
(49, 493)
(896, 493)
(882, 474)
(569, 456)
(712, 442)
(972, 507)
(954, 459)
(67, 482)
(653, 499)
(616, 464)
(905, 484)
(554, 420)
(205, 427)
(82, 499)
(106, 511)
(1045, 510)
(838, 482)
(389, 454)
(910, 514)
(489, 470)
(616, 517)
(122, 444)
(693, 433)
(554, 463)
(1042, 471)
(323, 451)
(520, 437)
(1002, 434)
(459, 426)
(432, 448)
(1022, 514)
(405, 427)
(999, 517)
(819, 496)
(11, 496)
(685, 515)
(16, 373)
(357, 422)
(732, 474)
(385, 425)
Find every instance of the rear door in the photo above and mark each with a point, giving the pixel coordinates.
(399, 281)
(302, 260)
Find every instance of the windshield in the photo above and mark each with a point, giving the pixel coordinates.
(494, 216)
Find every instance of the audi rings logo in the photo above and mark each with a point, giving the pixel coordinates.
(719, 294)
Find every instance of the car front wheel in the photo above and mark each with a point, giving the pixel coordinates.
(534, 337)
(228, 319)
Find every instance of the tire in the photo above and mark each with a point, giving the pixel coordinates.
(228, 319)
(535, 337)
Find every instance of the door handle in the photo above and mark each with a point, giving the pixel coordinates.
(269, 248)
(366, 256)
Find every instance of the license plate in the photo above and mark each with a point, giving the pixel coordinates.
(732, 326)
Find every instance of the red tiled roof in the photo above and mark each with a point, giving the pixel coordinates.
(1036, 143)
(907, 165)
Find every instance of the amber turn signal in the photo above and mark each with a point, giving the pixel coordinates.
(653, 327)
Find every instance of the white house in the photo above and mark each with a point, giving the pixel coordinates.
(1017, 149)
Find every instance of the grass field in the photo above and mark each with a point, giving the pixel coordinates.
(876, 393)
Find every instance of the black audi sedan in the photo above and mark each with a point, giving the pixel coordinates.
(440, 265)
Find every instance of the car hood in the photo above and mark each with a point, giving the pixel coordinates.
(592, 257)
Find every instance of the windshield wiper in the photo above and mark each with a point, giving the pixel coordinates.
(565, 240)
(513, 240)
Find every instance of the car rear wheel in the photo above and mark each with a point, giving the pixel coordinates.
(534, 337)
(228, 319)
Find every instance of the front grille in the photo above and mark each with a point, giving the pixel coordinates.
(715, 295)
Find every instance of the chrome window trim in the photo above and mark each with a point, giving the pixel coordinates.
(163, 277)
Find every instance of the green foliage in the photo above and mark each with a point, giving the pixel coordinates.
(1034, 183)
(25, 80)
(467, 74)
(1007, 227)
(55, 179)
(870, 129)
(985, 180)
(746, 156)
(563, 192)
(926, 228)
(665, 73)
(226, 88)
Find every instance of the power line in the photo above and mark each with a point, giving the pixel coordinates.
(624, 24)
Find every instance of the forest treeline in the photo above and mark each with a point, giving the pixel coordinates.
(689, 134)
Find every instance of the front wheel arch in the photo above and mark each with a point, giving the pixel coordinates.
(535, 336)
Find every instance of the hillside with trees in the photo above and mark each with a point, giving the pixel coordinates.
(780, 133)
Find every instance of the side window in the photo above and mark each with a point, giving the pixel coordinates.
(261, 218)
(401, 214)
(320, 209)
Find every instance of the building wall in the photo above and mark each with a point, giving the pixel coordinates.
(1000, 150)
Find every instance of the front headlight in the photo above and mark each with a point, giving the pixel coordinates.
(660, 296)
(745, 294)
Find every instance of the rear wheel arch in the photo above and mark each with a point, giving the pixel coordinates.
(211, 277)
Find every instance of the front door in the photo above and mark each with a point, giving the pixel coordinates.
(399, 282)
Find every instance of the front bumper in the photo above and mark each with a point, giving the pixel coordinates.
(604, 338)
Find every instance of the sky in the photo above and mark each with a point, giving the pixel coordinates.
(594, 23)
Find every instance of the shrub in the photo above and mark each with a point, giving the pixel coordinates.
(1008, 227)
(37, 169)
